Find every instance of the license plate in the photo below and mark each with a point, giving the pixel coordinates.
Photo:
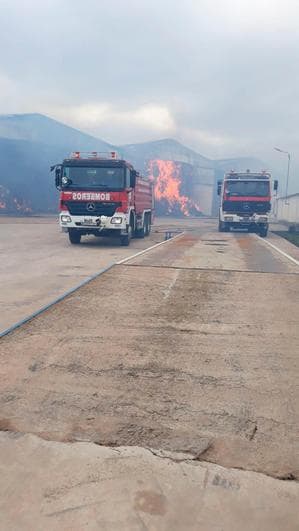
(89, 221)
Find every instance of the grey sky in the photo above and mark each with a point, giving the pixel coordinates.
(221, 76)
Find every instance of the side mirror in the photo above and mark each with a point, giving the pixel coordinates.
(58, 178)
(275, 185)
(219, 186)
(133, 176)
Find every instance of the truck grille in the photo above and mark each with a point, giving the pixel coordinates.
(246, 207)
(92, 208)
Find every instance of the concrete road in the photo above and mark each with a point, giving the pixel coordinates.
(38, 264)
(162, 395)
(65, 487)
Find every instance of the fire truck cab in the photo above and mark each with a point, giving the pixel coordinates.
(245, 201)
(103, 195)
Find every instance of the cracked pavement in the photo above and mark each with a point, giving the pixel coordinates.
(173, 378)
(57, 486)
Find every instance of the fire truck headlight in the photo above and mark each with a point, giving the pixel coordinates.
(116, 220)
(66, 219)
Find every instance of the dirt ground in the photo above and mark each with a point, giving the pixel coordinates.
(187, 357)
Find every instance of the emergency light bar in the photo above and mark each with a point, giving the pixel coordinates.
(247, 175)
(94, 155)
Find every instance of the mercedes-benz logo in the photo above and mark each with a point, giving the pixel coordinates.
(246, 206)
(90, 207)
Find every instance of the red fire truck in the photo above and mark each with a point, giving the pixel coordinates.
(245, 201)
(101, 194)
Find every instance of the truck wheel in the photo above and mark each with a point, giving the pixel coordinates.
(74, 236)
(147, 225)
(140, 233)
(223, 227)
(263, 232)
(126, 239)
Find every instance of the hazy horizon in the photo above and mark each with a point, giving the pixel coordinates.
(220, 77)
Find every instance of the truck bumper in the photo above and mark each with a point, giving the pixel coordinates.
(251, 227)
(245, 221)
(99, 226)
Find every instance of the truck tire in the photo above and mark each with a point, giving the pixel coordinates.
(140, 233)
(223, 227)
(74, 236)
(126, 239)
(147, 225)
(263, 232)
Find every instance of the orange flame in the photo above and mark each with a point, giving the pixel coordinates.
(166, 174)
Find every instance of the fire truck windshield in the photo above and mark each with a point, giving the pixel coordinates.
(99, 178)
(247, 188)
